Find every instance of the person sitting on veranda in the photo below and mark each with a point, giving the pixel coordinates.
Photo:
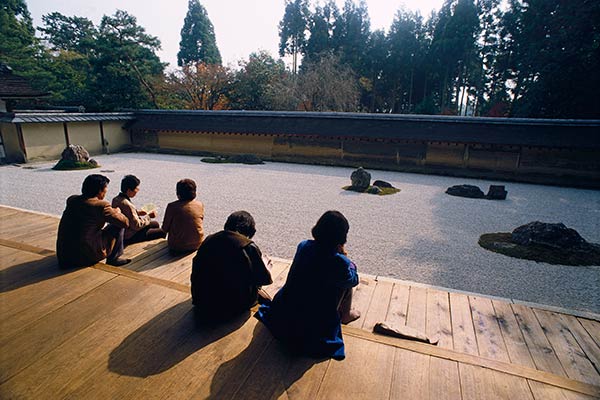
(183, 219)
(307, 312)
(83, 239)
(228, 270)
(142, 227)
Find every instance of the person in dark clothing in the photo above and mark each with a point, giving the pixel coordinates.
(307, 312)
(84, 237)
(228, 270)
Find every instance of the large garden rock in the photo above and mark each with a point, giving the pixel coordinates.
(465, 191)
(75, 152)
(361, 179)
(556, 236)
(382, 184)
(496, 192)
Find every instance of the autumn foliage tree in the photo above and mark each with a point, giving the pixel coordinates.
(200, 86)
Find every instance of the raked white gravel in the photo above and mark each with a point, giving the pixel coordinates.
(420, 234)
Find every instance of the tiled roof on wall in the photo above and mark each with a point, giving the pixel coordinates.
(20, 118)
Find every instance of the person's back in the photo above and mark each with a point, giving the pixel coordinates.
(81, 239)
(183, 221)
(227, 272)
(307, 312)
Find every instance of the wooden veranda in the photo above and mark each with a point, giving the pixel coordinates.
(104, 332)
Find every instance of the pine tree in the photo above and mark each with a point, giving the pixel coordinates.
(198, 43)
(292, 30)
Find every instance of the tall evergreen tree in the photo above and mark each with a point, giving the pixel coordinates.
(554, 46)
(198, 43)
(404, 49)
(321, 24)
(292, 30)
(351, 35)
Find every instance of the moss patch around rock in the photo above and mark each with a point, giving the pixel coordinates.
(501, 243)
(384, 191)
(67, 165)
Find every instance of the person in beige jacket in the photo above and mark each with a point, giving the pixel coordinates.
(142, 227)
(83, 237)
(184, 219)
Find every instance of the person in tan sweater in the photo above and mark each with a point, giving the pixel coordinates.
(183, 219)
(142, 226)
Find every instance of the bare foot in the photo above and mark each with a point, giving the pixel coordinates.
(352, 315)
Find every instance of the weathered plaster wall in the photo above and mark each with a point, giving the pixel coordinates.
(43, 141)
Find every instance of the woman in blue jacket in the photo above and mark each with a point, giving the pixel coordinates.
(307, 312)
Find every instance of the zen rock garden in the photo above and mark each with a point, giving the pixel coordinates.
(495, 192)
(75, 156)
(544, 242)
(361, 182)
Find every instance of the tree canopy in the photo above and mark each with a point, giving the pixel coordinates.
(198, 42)
(502, 58)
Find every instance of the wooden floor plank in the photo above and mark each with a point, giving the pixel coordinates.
(278, 282)
(59, 326)
(17, 223)
(23, 306)
(543, 391)
(439, 323)
(476, 383)
(62, 370)
(463, 332)
(592, 327)
(184, 360)
(518, 352)
(489, 338)
(366, 373)
(361, 298)
(170, 266)
(540, 349)
(28, 269)
(444, 381)
(228, 368)
(278, 374)
(417, 309)
(509, 386)
(587, 343)
(398, 307)
(411, 376)
(571, 356)
(379, 305)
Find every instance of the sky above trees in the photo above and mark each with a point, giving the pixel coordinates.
(241, 27)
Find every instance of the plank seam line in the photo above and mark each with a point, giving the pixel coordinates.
(26, 247)
(141, 277)
(107, 268)
(500, 366)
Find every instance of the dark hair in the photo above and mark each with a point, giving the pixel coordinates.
(241, 222)
(186, 189)
(93, 184)
(331, 229)
(129, 182)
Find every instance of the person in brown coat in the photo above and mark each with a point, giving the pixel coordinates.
(83, 239)
(228, 270)
(183, 219)
(142, 226)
